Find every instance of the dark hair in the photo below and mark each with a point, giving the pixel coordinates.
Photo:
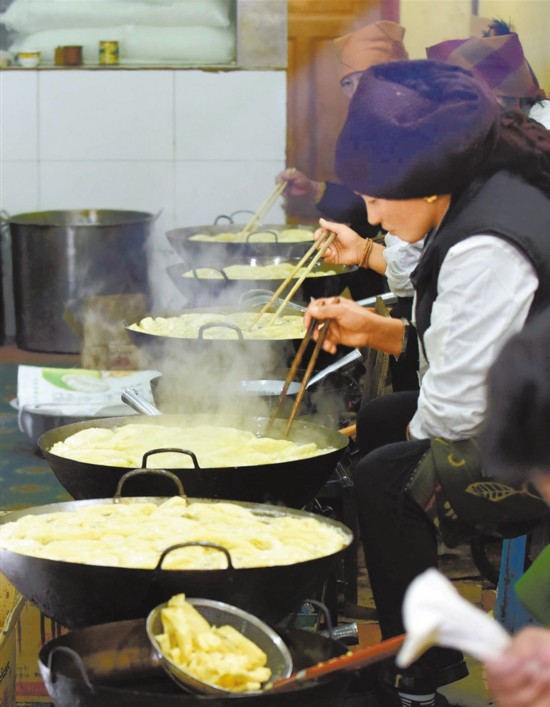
(523, 147)
(516, 440)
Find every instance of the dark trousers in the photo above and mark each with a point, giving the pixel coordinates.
(399, 540)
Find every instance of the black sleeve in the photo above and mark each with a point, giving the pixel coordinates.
(341, 204)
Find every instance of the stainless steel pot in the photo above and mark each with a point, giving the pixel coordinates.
(174, 393)
(61, 257)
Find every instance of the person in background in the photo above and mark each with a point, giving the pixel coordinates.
(427, 147)
(498, 59)
(373, 44)
(516, 448)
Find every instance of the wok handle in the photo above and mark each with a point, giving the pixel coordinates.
(139, 472)
(222, 272)
(348, 431)
(350, 661)
(77, 660)
(172, 450)
(262, 232)
(197, 543)
(225, 325)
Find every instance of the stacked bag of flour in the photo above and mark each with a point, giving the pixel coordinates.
(154, 32)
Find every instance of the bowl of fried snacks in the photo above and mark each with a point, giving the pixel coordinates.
(211, 647)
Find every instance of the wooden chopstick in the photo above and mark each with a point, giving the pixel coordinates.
(327, 241)
(292, 371)
(323, 327)
(288, 280)
(282, 286)
(257, 218)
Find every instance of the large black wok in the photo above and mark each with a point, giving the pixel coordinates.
(237, 356)
(196, 253)
(253, 356)
(77, 595)
(112, 665)
(202, 289)
(292, 483)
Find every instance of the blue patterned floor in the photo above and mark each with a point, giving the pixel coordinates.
(25, 478)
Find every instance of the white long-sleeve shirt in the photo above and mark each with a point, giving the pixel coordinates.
(401, 259)
(485, 289)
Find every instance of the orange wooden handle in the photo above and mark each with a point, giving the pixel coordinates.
(349, 431)
(350, 661)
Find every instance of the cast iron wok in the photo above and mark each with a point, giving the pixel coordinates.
(209, 288)
(213, 356)
(113, 665)
(258, 356)
(198, 253)
(76, 595)
(289, 483)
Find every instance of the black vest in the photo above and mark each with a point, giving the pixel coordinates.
(503, 205)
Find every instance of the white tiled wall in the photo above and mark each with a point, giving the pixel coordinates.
(187, 145)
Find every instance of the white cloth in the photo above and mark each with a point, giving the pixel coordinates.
(401, 259)
(485, 289)
(541, 113)
(434, 614)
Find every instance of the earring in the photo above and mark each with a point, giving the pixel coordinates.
(431, 199)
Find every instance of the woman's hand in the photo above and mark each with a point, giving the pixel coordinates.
(353, 325)
(346, 248)
(298, 184)
(521, 676)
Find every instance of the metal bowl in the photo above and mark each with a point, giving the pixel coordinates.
(217, 613)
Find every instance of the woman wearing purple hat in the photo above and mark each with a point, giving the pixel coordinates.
(427, 148)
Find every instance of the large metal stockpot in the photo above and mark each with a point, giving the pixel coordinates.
(77, 595)
(291, 483)
(62, 257)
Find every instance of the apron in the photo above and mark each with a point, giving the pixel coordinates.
(448, 484)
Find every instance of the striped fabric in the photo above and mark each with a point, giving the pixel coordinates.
(499, 61)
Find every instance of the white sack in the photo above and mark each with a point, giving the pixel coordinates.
(189, 45)
(30, 16)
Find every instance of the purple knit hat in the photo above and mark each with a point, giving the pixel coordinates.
(416, 128)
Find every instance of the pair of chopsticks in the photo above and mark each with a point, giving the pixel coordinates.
(257, 219)
(323, 329)
(317, 250)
